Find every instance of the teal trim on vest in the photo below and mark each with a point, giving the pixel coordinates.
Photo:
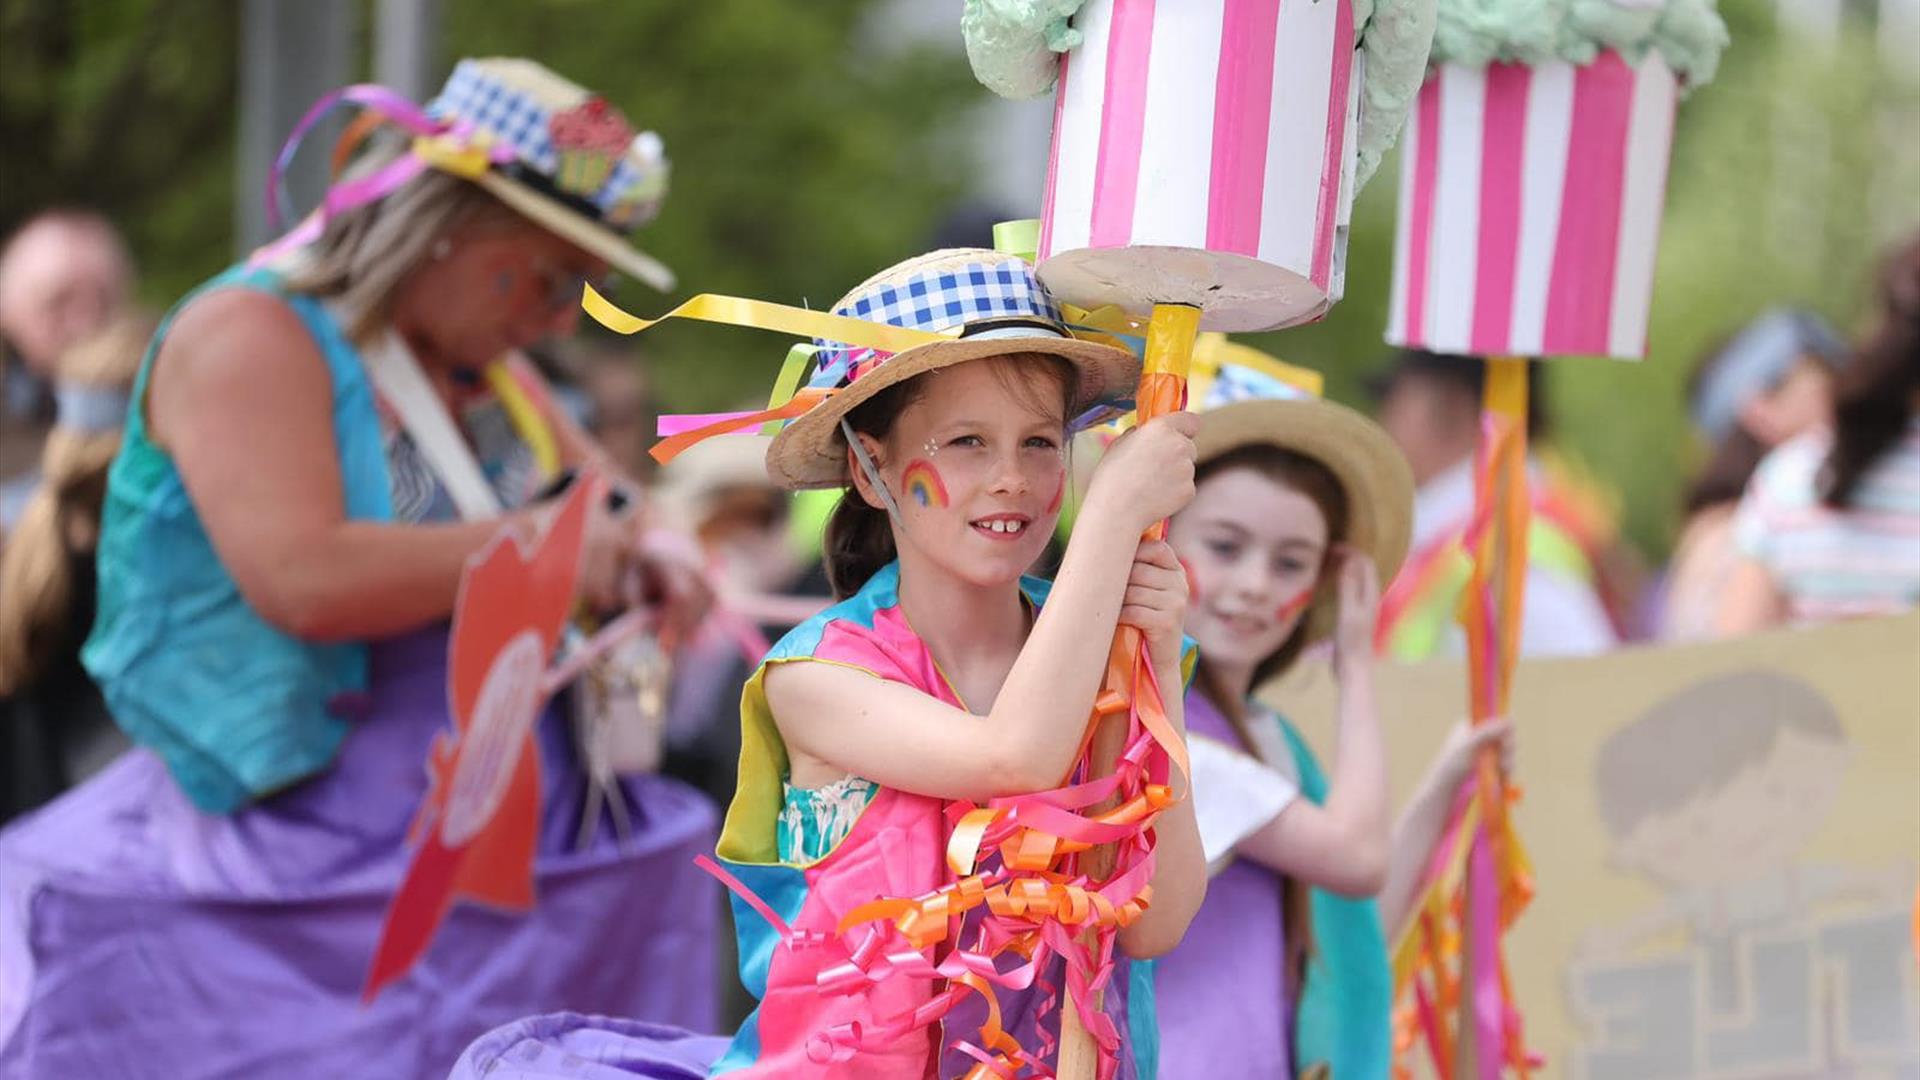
(235, 707)
(1143, 1019)
(1345, 1014)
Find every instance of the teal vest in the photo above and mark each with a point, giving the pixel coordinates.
(235, 707)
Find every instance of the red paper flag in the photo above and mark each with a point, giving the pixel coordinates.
(477, 824)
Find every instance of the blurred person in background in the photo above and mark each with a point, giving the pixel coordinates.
(620, 409)
(1772, 382)
(1830, 525)
(53, 723)
(718, 491)
(63, 275)
(319, 441)
(1431, 406)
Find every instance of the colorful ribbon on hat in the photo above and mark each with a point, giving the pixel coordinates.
(454, 147)
(1449, 966)
(872, 342)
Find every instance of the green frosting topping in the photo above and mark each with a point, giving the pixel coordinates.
(1688, 34)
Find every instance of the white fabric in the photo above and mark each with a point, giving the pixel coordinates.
(405, 389)
(1234, 796)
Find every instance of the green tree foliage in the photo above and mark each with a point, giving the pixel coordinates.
(806, 142)
(126, 106)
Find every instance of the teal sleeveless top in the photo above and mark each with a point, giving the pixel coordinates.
(236, 708)
(1345, 1014)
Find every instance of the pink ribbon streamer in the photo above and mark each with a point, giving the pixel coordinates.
(349, 194)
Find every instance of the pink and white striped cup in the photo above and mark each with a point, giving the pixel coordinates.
(1530, 202)
(1203, 153)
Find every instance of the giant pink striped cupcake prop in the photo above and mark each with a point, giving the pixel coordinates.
(1203, 154)
(1530, 201)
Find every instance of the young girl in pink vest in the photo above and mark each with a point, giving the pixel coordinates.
(942, 674)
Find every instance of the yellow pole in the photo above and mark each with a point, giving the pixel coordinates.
(1163, 382)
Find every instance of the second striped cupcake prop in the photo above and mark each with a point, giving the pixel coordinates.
(1533, 174)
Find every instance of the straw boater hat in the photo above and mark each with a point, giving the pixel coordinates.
(998, 307)
(560, 156)
(1249, 407)
(579, 170)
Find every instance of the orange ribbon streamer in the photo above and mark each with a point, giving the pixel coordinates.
(1434, 966)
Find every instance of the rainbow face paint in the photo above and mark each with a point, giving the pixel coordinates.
(922, 484)
(1059, 494)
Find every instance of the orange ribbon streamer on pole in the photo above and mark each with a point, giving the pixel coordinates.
(1449, 970)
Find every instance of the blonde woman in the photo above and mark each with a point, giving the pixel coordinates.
(55, 723)
(318, 442)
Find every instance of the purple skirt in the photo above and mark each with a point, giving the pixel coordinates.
(142, 938)
(568, 1046)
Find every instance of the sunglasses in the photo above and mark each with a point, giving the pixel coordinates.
(563, 287)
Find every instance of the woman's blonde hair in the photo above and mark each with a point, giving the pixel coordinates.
(364, 253)
(62, 518)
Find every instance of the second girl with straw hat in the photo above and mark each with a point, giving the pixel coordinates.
(1303, 508)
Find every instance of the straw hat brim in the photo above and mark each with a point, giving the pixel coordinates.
(810, 452)
(578, 229)
(1365, 461)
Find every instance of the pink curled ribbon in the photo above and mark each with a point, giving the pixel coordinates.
(457, 147)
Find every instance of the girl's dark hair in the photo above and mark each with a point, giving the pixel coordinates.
(1309, 477)
(859, 540)
(1724, 478)
(1873, 403)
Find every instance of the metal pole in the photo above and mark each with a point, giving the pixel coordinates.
(291, 52)
(405, 57)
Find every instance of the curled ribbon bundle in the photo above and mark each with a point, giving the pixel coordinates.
(1479, 879)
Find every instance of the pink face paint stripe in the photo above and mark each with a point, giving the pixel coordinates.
(1045, 247)
(1059, 494)
(1580, 293)
(1123, 121)
(1426, 172)
(1503, 150)
(1333, 167)
(1242, 115)
(1296, 605)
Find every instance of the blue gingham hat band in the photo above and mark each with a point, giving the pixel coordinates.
(943, 298)
(484, 93)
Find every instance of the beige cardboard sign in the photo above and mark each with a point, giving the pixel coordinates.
(1726, 839)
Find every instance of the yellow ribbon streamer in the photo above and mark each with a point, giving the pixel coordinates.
(763, 315)
(526, 418)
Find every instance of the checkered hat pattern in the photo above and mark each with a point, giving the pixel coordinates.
(475, 93)
(940, 298)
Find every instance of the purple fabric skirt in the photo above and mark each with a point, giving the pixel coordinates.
(568, 1046)
(142, 938)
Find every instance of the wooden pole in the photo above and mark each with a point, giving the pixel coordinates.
(1163, 382)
